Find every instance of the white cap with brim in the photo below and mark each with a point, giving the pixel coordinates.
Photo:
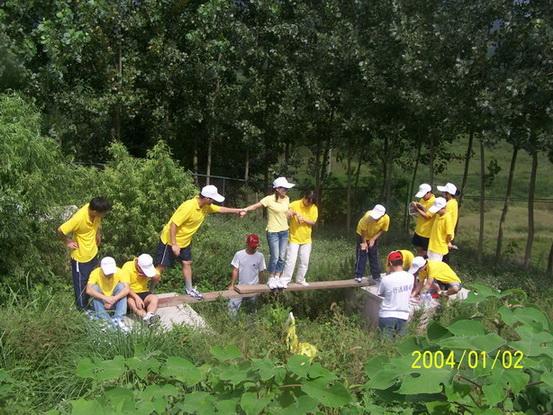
(108, 265)
(448, 188)
(418, 263)
(423, 189)
(377, 212)
(211, 192)
(146, 264)
(439, 204)
(282, 182)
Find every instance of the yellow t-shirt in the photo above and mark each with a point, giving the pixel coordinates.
(107, 285)
(277, 211)
(441, 227)
(301, 233)
(452, 209)
(84, 232)
(424, 226)
(188, 217)
(138, 283)
(370, 227)
(408, 258)
(439, 271)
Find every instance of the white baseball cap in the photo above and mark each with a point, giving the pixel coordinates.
(282, 182)
(448, 188)
(108, 265)
(439, 203)
(146, 264)
(377, 212)
(423, 189)
(418, 263)
(211, 192)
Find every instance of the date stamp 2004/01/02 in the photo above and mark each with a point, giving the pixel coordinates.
(471, 359)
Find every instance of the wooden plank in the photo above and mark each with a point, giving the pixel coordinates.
(315, 285)
(172, 299)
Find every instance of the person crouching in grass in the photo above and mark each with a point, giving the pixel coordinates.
(108, 288)
(396, 288)
(142, 276)
(247, 265)
(434, 277)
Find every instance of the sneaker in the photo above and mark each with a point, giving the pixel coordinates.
(147, 316)
(359, 279)
(272, 283)
(120, 325)
(153, 320)
(304, 283)
(194, 293)
(280, 283)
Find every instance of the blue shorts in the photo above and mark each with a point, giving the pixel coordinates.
(420, 241)
(166, 257)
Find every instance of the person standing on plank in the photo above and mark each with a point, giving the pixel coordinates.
(424, 219)
(370, 227)
(278, 210)
(396, 288)
(109, 288)
(450, 193)
(442, 230)
(247, 265)
(141, 275)
(82, 236)
(439, 277)
(300, 242)
(176, 236)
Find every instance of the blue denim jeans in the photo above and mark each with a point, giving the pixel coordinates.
(80, 272)
(391, 326)
(278, 241)
(120, 306)
(361, 260)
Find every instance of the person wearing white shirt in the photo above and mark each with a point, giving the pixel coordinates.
(395, 288)
(247, 265)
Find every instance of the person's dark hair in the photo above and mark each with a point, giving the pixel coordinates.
(457, 193)
(310, 195)
(397, 263)
(100, 204)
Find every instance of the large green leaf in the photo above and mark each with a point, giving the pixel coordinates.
(102, 370)
(233, 374)
(533, 317)
(316, 371)
(383, 379)
(467, 328)
(142, 366)
(424, 381)
(85, 407)
(121, 399)
(435, 331)
(252, 404)
(494, 393)
(299, 365)
(487, 343)
(226, 353)
(182, 370)
(200, 403)
(513, 379)
(226, 406)
(265, 368)
(334, 396)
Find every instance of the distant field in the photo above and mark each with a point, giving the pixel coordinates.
(517, 218)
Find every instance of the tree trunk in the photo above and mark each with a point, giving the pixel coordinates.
(505, 205)
(531, 192)
(208, 168)
(195, 160)
(482, 200)
(318, 168)
(432, 158)
(384, 160)
(247, 167)
(550, 262)
(411, 188)
(324, 174)
(348, 193)
(468, 156)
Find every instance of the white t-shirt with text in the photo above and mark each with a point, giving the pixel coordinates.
(249, 266)
(396, 289)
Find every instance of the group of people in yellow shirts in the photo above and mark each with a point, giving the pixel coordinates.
(289, 229)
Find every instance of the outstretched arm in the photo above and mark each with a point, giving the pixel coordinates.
(223, 209)
(253, 207)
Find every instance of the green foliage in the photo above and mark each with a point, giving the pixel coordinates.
(144, 194)
(467, 365)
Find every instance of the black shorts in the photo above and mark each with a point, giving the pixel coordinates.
(420, 241)
(166, 257)
(144, 295)
(447, 286)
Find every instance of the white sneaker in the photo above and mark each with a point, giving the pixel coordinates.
(359, 279)
(194, 293)
(147, 316)
(272, 283)
(280, 283)
(304, 283)
(119, 324)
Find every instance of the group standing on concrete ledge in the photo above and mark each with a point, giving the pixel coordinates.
(289, 237)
